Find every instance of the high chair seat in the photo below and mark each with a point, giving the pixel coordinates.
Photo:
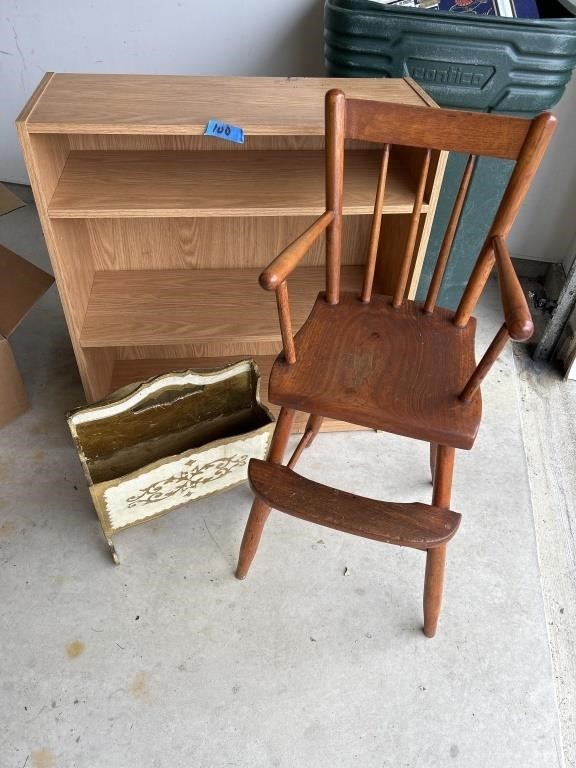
(397, 370)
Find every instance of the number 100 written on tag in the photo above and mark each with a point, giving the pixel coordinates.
(225, 131)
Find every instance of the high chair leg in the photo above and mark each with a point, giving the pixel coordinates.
(260, 511)
(433, 451)
(436, 558)
(312, 428)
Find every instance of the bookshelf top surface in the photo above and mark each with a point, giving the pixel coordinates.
(174, 104)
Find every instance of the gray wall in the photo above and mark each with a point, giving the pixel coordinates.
(546, 226)
(259, 37)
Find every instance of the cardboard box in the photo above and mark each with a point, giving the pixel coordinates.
(9, 201)
(21, 285)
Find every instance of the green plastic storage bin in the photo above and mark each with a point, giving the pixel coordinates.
(487, 63)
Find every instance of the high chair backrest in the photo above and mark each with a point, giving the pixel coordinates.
(475, 134)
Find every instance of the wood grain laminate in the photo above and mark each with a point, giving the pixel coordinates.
(175, 306)
(156, 184)
(129, 371)
(126, 184)
(51, 153)
(112, 142)
(44, 162)
(169, 104)
(32, 102)
(199, 350)
(147, 142)
(209, 243)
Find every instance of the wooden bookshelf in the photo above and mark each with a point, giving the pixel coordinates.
(179, 306)
(157, 233)
(253, 183)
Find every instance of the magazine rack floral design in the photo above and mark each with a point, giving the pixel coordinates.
(153, 446)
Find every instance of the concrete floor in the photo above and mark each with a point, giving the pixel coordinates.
(167, 660)
(548, 411)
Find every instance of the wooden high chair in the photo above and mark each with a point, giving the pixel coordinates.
(386, 362)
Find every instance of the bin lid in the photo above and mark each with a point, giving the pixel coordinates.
(570, 5)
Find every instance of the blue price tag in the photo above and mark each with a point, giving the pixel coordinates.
(224, 131)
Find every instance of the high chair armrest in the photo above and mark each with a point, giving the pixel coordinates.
(516, 313)
(279, 269)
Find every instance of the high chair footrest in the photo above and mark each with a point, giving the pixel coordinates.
(421, 526)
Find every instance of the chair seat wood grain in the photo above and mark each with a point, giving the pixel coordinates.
(350, 365)
(416, 525)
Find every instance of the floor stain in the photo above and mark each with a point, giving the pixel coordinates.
(42, 758)
(40, 429)
(7, 528)
(39, 456)
(7, 467)
(75, 649)
(139, 686)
